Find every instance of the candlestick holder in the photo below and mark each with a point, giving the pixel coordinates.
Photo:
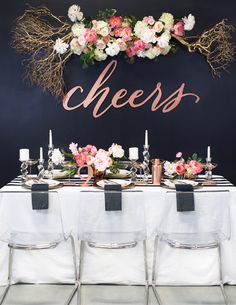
(50, 163)
(24, 170)
(209, 166)
(41, 169)
(146, 161)
(133, 171)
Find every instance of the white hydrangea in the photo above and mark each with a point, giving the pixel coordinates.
(152, 52)
(168, 19)
(140, 28)
(189, 22)
(112, 49)
(78, 29)
(163, 40)
(100, 55)
(57, 157)
(74, 13)
(60, 46)
(75, 47)
(149, 36)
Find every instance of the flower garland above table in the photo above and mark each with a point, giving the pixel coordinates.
(51, 40)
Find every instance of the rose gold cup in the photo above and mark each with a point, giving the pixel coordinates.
(156, 171)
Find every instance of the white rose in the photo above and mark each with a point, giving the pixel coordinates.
(78, 29)
(117, 151)
(168, 19)
(169, 168)
(60, 46)
(166, 50)
(75, 46)
(113, 49)
(189, 22)
(140, 28)
(74, 13)
(158, 26)
(163, 40)
(152, 53)
(57, 156)
(104, 32)
(101, 24)
(149, 36)
(100, 55)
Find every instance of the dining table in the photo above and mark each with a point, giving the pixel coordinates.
(124, 266)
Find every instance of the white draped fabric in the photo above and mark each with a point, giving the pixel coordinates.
(124, 266)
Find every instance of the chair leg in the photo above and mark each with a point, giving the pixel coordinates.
(221, 277)
(9, 276)
(75, 271)
(154, 272)
(146, 272)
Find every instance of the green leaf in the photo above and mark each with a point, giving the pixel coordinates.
(106, 14)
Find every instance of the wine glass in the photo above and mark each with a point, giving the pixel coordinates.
(30, 163)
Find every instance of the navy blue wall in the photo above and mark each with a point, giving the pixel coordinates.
(26, 113)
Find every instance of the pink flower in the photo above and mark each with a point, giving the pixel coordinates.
(126, 33)
(90, 35)
(179, 154)
(80, 159)
(180, 168)
(139, 45)
(149, 20)
(100, 44)
(115, 21)
(102, 161)
(131, 52)
(118, 32)
(178, 28)
(91, 149)
(196, 166)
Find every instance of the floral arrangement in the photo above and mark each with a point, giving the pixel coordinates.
(182, 168)
(99, 159)
(51, 40)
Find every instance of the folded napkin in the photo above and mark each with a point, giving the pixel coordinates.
(39, 194)
(113, 197)
(184, 197)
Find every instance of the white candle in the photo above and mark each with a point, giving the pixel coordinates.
(24, 154)
(208, 152)
(41, 154)
(146, 138)
(50, 138)
(133, 153)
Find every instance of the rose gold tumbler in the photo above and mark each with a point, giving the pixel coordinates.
(156, 171)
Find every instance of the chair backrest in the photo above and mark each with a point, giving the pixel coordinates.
(211, 215)
(18, 217)
(94, 219)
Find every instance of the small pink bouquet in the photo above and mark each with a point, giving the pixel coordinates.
(181, 168)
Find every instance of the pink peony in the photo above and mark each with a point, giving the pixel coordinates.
(196, 167)
(139, 45)
(81, 159)
(126, 33)
(90, 35)
(179, 154)
(102, 161)
(180, 168)
(131, 52)
(115, 21)
(91, 149)
(118, 32)
(178, 28)
(149, 20)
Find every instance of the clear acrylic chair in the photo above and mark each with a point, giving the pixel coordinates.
(204, 228)
(112, 229)
(23, 228)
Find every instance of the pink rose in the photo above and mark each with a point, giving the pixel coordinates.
(118, 32)
(126, 33)
(90, 35)
(196, 167)
(178, 28)
(131, 52)
(80, 159)
(91, 149)
(179, 154)
(149, 20)
(180, 168)
(115, 21)
(139, 45)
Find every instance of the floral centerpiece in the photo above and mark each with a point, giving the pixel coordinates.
(183, 168)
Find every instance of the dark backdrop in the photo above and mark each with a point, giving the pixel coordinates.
(27, 113)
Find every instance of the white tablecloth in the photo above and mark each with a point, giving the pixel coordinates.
(174, 266)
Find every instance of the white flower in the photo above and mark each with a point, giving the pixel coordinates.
(169, 168)
(122, 44)
(101, 24)
(149, 36)
(60, 46)
(141, 54)
(78, 29)
(116, 151)
(100, 55)
(163, 40)
(102, 161)
(140, 28)
(168, 19)
(73, 147)
(75, 46)
(112, 49)
(189, 22)
(166, 50)
(100, 44)
(158, 26)
(57, 156)
(152, 52)
(74, 13)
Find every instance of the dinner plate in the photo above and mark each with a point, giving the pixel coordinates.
(123, 183)
(122, 174)
(171, 183)
(51, 183)
(57, 174)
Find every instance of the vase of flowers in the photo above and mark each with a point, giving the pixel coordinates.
(183, 168)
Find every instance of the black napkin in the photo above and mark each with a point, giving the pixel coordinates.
(184, 197)
(113, 197)
(39, 196)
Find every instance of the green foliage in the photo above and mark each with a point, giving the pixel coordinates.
(131, 20)
(88, 22)
(106, 14)
(195, 157)
(87, 59)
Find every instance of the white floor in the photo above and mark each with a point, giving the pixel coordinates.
(107, 295)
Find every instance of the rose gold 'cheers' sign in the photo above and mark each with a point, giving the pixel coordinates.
(99, 93)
